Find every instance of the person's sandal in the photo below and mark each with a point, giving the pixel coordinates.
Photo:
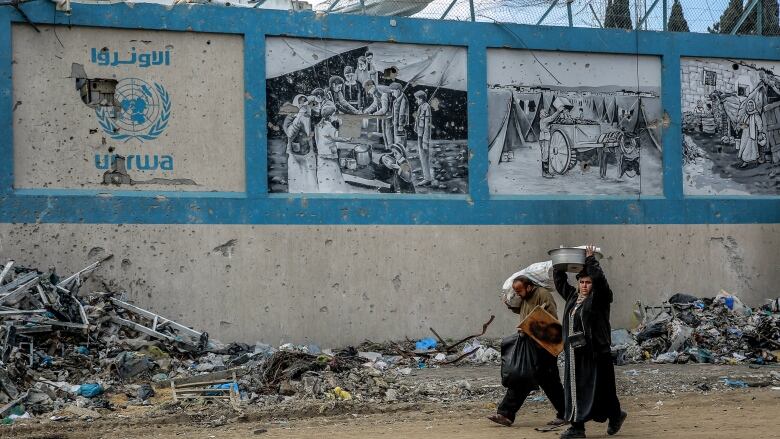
(614, 427)
(500, 419)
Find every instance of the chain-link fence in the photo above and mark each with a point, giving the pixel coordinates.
(717, 16)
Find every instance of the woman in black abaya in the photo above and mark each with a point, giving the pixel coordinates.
(589, 375)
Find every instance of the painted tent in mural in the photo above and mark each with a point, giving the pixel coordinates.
(358, 117)
(731, 127)
(567, 123)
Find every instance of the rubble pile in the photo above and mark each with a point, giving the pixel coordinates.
(69, 351)
(712, 330)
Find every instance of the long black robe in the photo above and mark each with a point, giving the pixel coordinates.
(589, 375)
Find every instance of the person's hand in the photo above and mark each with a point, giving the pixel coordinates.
(589, 250)
(505, 300)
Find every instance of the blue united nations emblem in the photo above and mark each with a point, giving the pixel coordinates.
(141, 111)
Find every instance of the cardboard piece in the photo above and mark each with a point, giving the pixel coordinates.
(545, 329)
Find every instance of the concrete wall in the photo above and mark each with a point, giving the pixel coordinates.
(337, 285)
(229, 257)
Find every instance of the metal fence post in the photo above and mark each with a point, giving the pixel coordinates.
(568, 12)
(547, 12)
(744, 16)
(666, 23)
(471, 8)
(447, 11)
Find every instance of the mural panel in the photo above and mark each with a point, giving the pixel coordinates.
(731, 126)
(127, 109)
(358, 117)
(574, 123)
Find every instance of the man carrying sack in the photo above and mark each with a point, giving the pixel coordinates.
(525, 364)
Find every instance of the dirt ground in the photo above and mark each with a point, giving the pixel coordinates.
(662, 401)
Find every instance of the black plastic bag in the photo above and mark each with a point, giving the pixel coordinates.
(682, 298)
(518, 360)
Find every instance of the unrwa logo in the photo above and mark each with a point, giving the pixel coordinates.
(141, 112)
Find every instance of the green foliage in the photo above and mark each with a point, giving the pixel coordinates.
(729, 18)
(677, 22)
(618, 15)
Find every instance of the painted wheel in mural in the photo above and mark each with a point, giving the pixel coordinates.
(560, 152)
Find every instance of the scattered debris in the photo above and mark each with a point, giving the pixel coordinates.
(71, 354)
(718, 330)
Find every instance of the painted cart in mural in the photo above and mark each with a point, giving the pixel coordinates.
(570, 139)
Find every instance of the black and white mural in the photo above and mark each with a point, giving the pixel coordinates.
(731, 126)
(570, 123)
(357, 117)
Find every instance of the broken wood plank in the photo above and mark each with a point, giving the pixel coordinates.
(202, 383)
(202, 390)
(207, 377)
(449, 348)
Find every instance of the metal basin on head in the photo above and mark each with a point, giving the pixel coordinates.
(571, 259)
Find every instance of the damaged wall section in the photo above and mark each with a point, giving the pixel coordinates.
(171, 104)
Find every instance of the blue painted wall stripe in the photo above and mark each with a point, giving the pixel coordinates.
(255, 126)
(6, 105)
(672, 135)
(477, 116)
(256, 206)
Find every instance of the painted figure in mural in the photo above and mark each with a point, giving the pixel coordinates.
(372, 70)
(353, 92)
(625, 121)
(316, 100)
(301, 160)
(544, 139)
(380, 106)
(753, 136)
(400, 115)
(546, 374)
(401, 171)
(362, 74)
(422, 127)
(335, 94)
(699, 112)
(329, 177)
(589, 375)
(726, 106)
